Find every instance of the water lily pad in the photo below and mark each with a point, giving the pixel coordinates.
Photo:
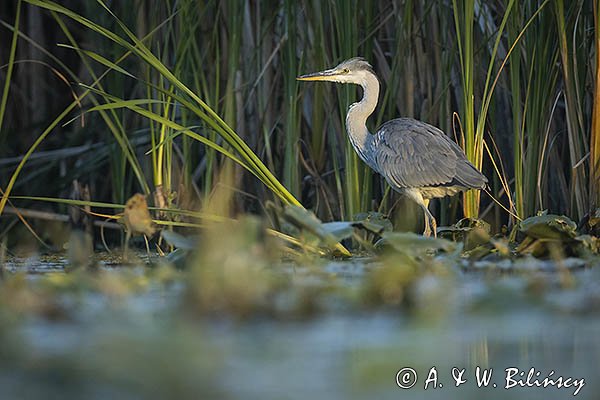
(409, 242)
(549, 226)
(305, 220)
(339, 229)
(373, 222)
(460, 230)
(179, 241)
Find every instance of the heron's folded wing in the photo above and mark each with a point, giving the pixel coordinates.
(413, 154)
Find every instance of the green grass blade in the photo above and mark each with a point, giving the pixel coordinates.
(9, 71)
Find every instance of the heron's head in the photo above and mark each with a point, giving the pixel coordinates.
(354, 70)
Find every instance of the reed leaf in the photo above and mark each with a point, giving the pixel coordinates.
(138, 48)
(9, 72)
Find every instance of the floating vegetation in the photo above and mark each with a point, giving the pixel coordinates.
(242, 269)
(554, 236)
(241, 298)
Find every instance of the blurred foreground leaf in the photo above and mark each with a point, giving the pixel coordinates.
(414, 244)
(232, 271)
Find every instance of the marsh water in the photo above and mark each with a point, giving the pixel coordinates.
(142, 344)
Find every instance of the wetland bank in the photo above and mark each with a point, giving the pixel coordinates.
(181, 218)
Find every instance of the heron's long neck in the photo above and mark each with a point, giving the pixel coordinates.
(357, 116)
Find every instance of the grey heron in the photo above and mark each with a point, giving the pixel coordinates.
(416, 159)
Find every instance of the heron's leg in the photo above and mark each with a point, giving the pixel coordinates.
(430, 222)
(417, 197)
(433, 224)
(427, 231)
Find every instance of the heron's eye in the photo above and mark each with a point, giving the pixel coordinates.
(346, 70)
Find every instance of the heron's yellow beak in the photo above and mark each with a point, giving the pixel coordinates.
(327, 75)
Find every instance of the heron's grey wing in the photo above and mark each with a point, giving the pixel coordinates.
(466, 173)
(411, 153)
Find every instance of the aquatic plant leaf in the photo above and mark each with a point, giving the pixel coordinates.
(328, 234)
(179, 241)
(534, 247)
(478, 252)
(549, 226)
(502, 247)
(339, 229)
(373, 222)
(457, 231)
(305, 220)
(588, 243)
(179, 257)
(344, 229)
(411, 242)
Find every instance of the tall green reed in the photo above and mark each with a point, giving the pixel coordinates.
(574, 51)
(289, 65)
(595, 124)
(539, 78)
(515, 72)
(345, 21)
(126, 157)
(185, 97)
(474, 129)
(9, 70)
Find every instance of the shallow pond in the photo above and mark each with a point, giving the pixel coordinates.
(145, 345)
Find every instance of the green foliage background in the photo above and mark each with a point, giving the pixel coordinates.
(518, 75)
